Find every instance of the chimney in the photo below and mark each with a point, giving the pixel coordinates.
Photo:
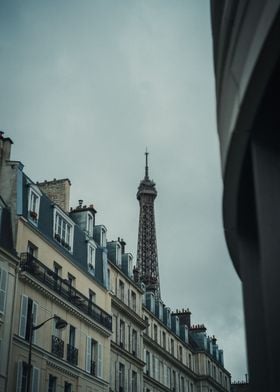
(5, 148)
(184, 317)
(123, 243)
(58, 191)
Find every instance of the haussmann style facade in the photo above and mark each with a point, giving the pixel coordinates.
(56, 264)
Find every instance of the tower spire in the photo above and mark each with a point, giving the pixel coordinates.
(146, 167)
(147, 261)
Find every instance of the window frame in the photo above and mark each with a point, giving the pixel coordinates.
(33, 213)
(66, 243)
(91, 257)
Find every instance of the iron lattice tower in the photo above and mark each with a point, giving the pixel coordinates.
(147, 260)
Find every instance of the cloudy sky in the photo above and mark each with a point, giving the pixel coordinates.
(86, 86)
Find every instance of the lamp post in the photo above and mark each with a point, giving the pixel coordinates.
(59, 324)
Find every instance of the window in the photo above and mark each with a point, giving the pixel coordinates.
(214, 372)
(72, 351)
(134, 381)
(191, 387)
(182, 384)
(156, 368)
(209, 368)
(134, 342)
(155, 332)
(147, 325)
(89, 224)
(32, 250)
(28, 311)
(173, 381)
(91, 258)
(172, 346)
(58, 273)
(3, 289)
(190, 361)
(94, 357)
(34, 204)
(122, 333)
(52, 383)
(168, 377)
(133, 300)
(22, 369)
(57, 269)
(121, 290)
(121, 377)
(92, 296)
(164, 339)
(67, 387)
(165, 374)
(181, 353)
(71, 280)
(63, 230)
(148, 363)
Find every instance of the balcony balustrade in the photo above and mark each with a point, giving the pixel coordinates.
(72, 355)
(64, 289)
(57, 346)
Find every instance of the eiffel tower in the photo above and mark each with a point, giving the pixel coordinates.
(147, 260)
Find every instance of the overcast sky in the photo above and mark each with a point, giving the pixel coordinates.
(86, 86)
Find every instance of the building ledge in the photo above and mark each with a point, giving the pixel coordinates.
(128, 311)
(117, 348)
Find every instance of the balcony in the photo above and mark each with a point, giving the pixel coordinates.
(72, 355)
(57, 346)
(64, 289)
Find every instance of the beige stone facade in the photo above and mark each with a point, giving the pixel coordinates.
(118, 337)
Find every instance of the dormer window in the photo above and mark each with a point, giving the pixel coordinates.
(89, 224)
(34, 204)
(63, 230)
(91, 258)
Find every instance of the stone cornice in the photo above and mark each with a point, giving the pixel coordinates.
(156, 383)
(124, 353)
(128, 311)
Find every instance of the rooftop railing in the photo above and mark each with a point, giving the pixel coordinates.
(64, 289)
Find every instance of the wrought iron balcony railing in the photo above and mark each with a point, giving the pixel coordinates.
(62, 287)
(57, 346)
(72, 355)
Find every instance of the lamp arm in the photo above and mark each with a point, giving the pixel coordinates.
(34, 327)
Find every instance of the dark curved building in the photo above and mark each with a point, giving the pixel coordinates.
(246, 45)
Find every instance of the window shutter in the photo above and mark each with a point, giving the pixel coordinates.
(19, 376)
(88, 353)
(100, 361)
(35, 379)
(23, 316)
(3, 289)
(35, 318)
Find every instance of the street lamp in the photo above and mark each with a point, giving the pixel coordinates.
(59, 324)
